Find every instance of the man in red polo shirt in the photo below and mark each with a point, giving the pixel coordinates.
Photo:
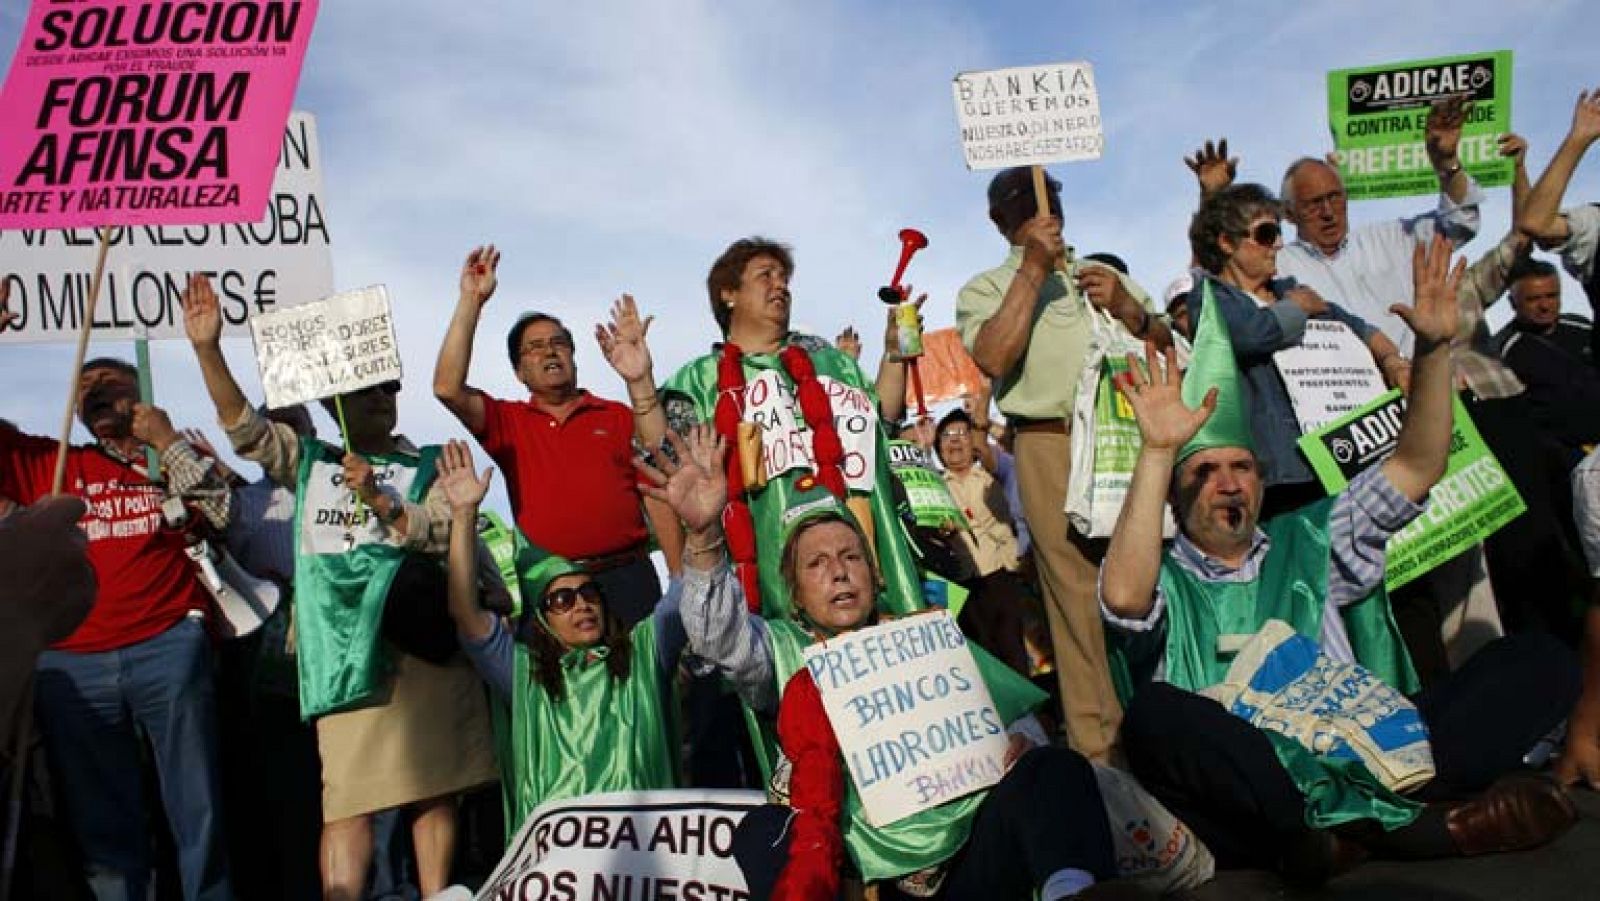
(566, 454)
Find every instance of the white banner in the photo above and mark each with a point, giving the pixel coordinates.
(1030, 116)
(656, 844)
(914, 719)
(333, 346)
(283, 260)
(1330, 373)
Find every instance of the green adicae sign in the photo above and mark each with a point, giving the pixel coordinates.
(931, 502)
(1474, 498)
(1378, 114)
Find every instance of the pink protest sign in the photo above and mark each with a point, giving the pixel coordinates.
(130, 112)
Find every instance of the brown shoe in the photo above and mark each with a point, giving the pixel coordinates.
(1519, 811)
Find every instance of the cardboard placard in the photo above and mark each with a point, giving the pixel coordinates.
(648, 844)
(1029, 116)
(1378, 114)
(915, 721)
(1474, 498)
(127, 112)
(281, 260)
(333, 346)
(769, 402)
(1328, 374)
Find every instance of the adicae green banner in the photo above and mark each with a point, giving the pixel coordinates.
(1474, 498)
(1378, 116)
(931, 501)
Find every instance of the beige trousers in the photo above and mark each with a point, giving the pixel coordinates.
(1068, 569)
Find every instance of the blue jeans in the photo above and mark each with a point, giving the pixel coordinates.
(93, 709)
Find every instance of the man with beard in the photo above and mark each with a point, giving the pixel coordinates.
(140, 663)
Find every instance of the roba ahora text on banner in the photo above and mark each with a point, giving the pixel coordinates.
(129, 112)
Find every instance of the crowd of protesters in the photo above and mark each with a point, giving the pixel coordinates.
(351, 744)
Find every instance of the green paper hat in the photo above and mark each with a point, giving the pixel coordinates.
(536, 569)
(1213, 365)
(811, 501)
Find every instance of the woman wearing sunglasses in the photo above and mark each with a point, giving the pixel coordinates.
(1236, 237)
(591, 700)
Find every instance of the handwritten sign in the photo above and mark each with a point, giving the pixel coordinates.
(655, 844)
(126, 112)
(1029, 116)
(786, 439)
(915, 721)
(1328, 374)
(333, 346)
(281, 260)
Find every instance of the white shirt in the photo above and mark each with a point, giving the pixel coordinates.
(1372, 268)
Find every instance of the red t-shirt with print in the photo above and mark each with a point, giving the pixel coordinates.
(147, 582)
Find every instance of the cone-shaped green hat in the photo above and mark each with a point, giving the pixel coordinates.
(1212, 364)
(536, 569)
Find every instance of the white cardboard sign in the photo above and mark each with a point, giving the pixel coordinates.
(283, 260)
(649, 844)
(786, 438)
(334, 346)
(915, 721)
(1029, 116)
(1330, 373)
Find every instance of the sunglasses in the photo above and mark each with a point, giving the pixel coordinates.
(1266, 233)
(563, 599)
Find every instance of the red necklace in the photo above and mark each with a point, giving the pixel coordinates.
(826, 450)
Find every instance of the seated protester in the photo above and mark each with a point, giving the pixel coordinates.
(591, 700)
(1236, 237)
(401, 718)
(1256, 798)
(996, 613)
(1042, 828)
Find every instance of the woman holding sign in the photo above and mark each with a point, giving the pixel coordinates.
(1235, 237)
(1041, 828)
(591, 700)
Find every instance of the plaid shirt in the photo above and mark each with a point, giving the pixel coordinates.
(1472, 351)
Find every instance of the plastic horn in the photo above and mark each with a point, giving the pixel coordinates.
(911, 241)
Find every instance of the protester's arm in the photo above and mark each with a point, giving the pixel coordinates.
(1421, 450)
(1541, 216)
(1117, 294)
(624, 345)
(1257, 331)
(668, 531)
(1133, 559)
(1003, 338)
(891, 381)
(195, 478)
(478, 281)
(978, 408)
(202, 322)
(464, 491)
(1442, 138)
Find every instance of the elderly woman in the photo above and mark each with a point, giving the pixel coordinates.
(591, 700)
(1235, 238)
(1041, 829)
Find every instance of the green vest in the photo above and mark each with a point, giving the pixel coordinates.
(340, 585)
(930, 836)
(697, 381)
(1292, 586)
(604, 735)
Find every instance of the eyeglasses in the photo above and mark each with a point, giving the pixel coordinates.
(1332, 200)
(1266, 233)
(563, 599)
(955, 432)
(560, 342)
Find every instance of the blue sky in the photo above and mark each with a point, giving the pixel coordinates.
(619, 146)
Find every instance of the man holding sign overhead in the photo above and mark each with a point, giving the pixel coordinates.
(401, 720)
(1027, 324)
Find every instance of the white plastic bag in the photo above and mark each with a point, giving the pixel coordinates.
(1154, 848)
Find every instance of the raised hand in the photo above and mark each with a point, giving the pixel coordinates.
(462, 486)
(1443, 129)
(697, 487)
(479, 275)
(849, 342)
(202, 313)
(1212, 167)
(1586, 117)
(622, 340)
(1155, 392)
(1432, 316)
(8, 317)
(1514, 147)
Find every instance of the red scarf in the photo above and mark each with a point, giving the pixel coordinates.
(826, 449)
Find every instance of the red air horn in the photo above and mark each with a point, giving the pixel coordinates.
(907, 318)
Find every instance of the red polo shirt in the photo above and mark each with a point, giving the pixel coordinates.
(147, 582)
(573, 487)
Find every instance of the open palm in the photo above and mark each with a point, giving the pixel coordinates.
(1156, 394)
(696, 485)
(461, 484)
(622, 340)
(1433, 315)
